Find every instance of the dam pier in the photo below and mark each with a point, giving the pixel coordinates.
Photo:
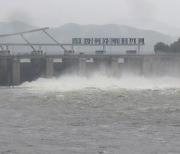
(15, 69)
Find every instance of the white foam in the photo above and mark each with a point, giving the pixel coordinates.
(75, 82)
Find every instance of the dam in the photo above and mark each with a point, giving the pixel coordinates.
(15, 69)
(21, 67)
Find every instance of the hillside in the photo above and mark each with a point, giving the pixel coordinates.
(65, 33)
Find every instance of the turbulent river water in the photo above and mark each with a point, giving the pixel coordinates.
(96, 115)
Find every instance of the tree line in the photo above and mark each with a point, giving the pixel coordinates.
(165, 48)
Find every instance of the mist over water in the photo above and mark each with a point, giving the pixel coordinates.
(71, 82)
(99, 113)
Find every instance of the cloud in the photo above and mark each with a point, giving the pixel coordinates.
(19, 15)
(140, 9)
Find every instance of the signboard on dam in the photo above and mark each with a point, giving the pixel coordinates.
(108, 41)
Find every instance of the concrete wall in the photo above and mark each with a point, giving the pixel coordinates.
(5, 71)
(14, 72)
(177, 66)
(82, 66)
(16, 77)
(115, 66)
(49, 67)
(147, 66)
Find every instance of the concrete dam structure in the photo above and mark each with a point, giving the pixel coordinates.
(18, 68)
(15, 69)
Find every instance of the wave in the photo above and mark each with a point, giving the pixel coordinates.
(72, 82)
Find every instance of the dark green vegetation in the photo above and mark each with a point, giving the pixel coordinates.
(165, 48)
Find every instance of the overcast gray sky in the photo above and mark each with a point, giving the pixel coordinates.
(148, 14)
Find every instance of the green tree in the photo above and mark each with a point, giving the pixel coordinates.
(161, 47)
(175, 47)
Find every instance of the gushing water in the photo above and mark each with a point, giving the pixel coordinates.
(97, 114)
(99, 81)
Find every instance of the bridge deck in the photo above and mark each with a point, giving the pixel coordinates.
(88, 56)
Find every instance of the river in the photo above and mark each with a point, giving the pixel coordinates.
(96, 115)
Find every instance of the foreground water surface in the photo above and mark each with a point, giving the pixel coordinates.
(76, 115)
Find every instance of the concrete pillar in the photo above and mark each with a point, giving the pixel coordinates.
(114, 65)
(156, 65)
(16, 71)
(49, 67)
(146, 68)
(3, 71)
(127, 65)
(177, 66)
(82, 66)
